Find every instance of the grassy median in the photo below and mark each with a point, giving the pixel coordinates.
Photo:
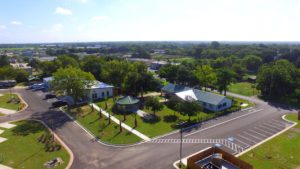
(282, 152)
(100, 127)
(25, 149)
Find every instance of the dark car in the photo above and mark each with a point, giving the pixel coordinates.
(59, 103)
(50, 96)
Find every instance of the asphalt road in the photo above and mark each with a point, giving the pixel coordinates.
(244, 129)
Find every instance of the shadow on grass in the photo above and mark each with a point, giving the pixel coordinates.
(152, 120)
(27, 128)
(170, 118)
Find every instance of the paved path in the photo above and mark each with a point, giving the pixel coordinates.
(125, 126)
(92, 155)
(7, 111)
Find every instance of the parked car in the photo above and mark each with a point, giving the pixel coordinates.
(59, 103)
(50, 96)
(36, 86)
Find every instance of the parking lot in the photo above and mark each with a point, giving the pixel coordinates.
(256, 134)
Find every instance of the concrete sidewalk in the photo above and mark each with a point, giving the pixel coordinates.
(7, 111)
(137, 133)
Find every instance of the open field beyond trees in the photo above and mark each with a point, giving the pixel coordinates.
(23, 149)
(243, 88)
(280, 152)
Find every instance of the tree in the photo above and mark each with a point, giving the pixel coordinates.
(72, 82)
(205, 75)
(225, 76)
(252, 62)
(92, 64)
(277, 79)
(189, 108)
(21, 75)
(4, 61)
(153, 104)
(67, 61)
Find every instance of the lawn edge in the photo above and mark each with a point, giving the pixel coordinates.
(271, 137)
(94, 138)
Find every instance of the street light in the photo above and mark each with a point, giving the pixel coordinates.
(180, 147)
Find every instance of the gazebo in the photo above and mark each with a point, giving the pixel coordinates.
(128, 104)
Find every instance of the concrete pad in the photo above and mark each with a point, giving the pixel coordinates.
(4, 167)
(7, 111)
(244, 105)
(7, 125)
(1, 131)
(2, 139)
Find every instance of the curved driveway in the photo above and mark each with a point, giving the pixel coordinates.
(92, 155)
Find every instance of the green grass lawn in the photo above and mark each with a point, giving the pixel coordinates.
(100, 128)
(243, 88)
(22, 149)
(282, 152)
(12, 105)
(167, 118)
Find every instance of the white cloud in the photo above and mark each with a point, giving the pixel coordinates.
(83, 1)
(55, 28)
(99, 18)
(63, 11)
(2, 27)
(16, 23)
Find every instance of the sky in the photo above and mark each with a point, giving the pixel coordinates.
(44, 21)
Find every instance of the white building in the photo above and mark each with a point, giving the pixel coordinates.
(99, 90)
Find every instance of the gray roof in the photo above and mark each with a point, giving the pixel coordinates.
(127, 100)
(173, 88)
(208, 97)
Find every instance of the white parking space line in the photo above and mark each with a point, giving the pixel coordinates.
(224, 122)
(269, 129)
(256, 132)
(272, 126)
(276, 125)
(281, 122)
(253, 136)
(244, 144)
(245, 138)
(263, 131)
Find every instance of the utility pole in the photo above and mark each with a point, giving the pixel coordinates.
(180, 151)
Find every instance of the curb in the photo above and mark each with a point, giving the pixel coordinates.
(60, 141)
(98, 140)
(275, 135)
(23, 101)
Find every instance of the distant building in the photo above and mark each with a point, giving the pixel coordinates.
(156, 65)
(207, 100)
(216, 158)
(23, 66)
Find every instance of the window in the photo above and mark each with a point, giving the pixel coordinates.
(224, 104)
(219, 106)
(94, 96)
(102, 94)
(107, 93)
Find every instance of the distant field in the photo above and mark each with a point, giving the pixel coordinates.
(280, 152)
(243, 88)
